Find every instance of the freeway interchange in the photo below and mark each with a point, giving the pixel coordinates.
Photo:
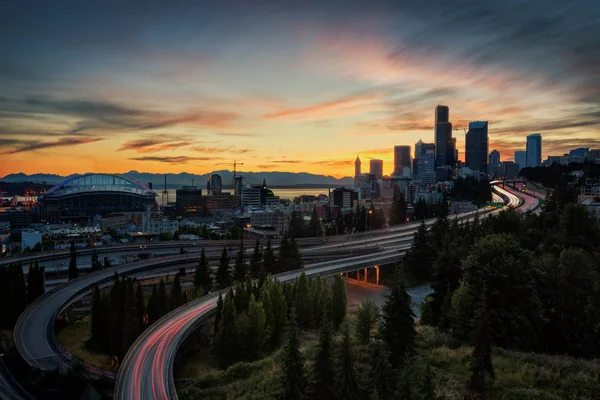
(146, 371)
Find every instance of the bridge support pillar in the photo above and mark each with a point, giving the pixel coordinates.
(358, 274)
(377, 275)
(366, 274)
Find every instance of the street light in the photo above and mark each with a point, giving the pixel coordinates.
(248, 226)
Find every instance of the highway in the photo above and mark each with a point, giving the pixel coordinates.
(34, 331)
(147, 370)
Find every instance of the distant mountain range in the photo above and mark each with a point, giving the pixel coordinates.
(274, 179)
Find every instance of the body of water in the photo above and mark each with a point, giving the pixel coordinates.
(287, 194)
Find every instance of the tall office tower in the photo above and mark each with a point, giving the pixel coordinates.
(493, 162)
(534, 150)
(376, 168)
(356, 166)
(402, 159)
(452, 152)
(476, 149)
(216, 185)
(521, 158)
(444, 153)
(442, 114)
(425, 166)
(421, 149)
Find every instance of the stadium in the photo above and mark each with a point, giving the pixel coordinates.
(85, 196)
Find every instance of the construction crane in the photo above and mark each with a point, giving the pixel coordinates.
(235, 164)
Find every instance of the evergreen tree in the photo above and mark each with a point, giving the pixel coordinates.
(346, 385)
(323, 373)
(227, 338)
(96, 319)
(117, 314)
(239, 269)
(480, 365)
(419, 259)
(35, 282)
(279, 308)
(294, 258)
(17, 293)
(131, 327)
(338, 301)
(202, 275)
(256, 260)
(380, 376)
(398, 212)
(294, 378)
(96, 266)
(256, 330)
(223, 276)
(240, 298)
(269, 261)
(154, 312)
(218, 313)
(499, 268)
(106, 263)
(366, 318)
(398, 324)
(283, 255)
(73, 271)
(163, 304)
(302, 301)
(176, 293)
(313, 225)
(140, 306)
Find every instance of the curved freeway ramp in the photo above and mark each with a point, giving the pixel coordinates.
(147, 369)
(146, 372)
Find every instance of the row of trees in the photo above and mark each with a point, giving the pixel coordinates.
(332, 372)
(535, 277)
(15, 294)
(121, 314)
(263, 261)
(251, 319)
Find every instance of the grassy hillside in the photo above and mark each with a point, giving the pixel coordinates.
(525, 376)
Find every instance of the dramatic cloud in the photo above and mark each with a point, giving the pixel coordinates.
(20, 146)
(350, 105)
(152, 145)
(175, 160)
(334, 163)
(296, 79)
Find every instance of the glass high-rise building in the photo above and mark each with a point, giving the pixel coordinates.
(421, 149)
(521, 158)
(476, 149)
(444, 149)
(534, 150)
(402, 159)
(376, 168)
(494, 162)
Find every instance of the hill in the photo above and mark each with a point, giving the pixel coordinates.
(274, 179)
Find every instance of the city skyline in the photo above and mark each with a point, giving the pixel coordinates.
(301, 89)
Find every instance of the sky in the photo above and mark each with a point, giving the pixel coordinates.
(299, 86)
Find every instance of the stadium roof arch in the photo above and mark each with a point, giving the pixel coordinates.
(96, 183)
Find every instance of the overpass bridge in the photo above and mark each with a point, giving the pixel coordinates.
(36, 341)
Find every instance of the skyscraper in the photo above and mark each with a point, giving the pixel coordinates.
(476, 149)
(494, 162)
(422, 149)
(376, 168)
(356, 166)
(444, 153)
(534, 150)
(402, 159)
(521, 158)
(442, 114)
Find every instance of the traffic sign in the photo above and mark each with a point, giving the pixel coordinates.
(146, 319)
(114, 362)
